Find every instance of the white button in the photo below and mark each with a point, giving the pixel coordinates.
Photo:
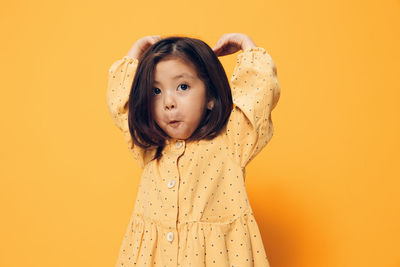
(178, 144)
(170, 236)
(171, 183)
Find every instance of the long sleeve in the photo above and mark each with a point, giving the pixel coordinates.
(121, 75)
(255, 92)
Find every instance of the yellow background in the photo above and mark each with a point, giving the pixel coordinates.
(326, 189)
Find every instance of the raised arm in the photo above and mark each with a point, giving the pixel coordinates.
(120, 78)
(121, 75)
(255, 92)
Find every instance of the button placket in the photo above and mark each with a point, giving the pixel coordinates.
(171, 211)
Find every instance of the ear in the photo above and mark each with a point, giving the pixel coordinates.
(210, 104)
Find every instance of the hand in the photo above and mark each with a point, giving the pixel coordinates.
(142, 45)
(230, 43)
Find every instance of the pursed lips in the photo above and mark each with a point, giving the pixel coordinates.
(174, 123)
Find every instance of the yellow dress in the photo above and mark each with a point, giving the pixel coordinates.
(192, 208)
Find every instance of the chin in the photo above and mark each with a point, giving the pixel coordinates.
(181, 137)
(178, 135)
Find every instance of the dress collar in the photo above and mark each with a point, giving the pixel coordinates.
(173, 141)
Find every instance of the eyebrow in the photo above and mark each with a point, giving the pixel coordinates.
(179, 76)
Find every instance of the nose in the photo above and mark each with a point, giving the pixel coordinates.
(169, 101)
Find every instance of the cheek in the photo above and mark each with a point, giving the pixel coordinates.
(198, 102)
(195, 109)
(190, 104)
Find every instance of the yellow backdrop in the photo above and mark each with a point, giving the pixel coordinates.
(326, 189)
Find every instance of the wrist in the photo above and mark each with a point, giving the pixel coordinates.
(131, 55)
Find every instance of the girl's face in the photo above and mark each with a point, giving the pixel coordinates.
(179, 98)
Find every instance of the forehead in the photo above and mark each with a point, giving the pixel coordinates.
(173, 69)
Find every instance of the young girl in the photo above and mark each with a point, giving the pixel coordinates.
(193, 138)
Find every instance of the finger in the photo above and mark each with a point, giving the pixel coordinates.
(220, 52)
(217, 48)
(218, 44)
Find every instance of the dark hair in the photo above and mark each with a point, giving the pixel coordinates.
(144, 130)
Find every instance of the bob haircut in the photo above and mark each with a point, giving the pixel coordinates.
(143, 128)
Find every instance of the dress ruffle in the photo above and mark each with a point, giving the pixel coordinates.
(236, 243)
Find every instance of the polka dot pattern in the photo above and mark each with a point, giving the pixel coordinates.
(192, 207)
(255, 91)
(121, 74)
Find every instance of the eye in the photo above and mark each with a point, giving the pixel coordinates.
(185, 86)
(156, 90)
